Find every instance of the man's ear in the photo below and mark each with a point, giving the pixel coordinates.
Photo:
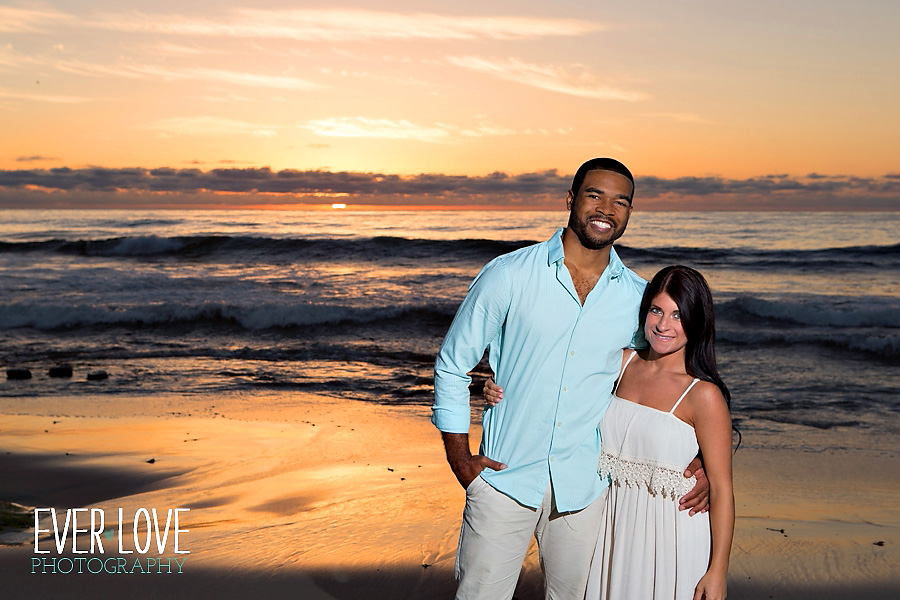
(569, 200)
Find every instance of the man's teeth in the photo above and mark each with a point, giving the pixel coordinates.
(602, 224)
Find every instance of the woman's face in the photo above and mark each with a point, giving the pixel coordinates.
(663, 328)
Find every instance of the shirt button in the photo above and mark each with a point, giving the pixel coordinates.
(551, 459)
(559, 424)
(565, 389)
(572, 353)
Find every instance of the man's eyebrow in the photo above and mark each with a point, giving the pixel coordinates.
(599, 191)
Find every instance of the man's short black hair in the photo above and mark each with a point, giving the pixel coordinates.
(600, 164)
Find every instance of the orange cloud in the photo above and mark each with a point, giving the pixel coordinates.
(311, 24)
(574, 81)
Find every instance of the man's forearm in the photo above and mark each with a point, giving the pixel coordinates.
(456, 445)
(463, 463)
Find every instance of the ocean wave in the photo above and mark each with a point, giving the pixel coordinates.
(856, 324)
(123, 246)
(882, 345)
(854, 257)
(134, 224)
(256, 317)
(266, 248)
(834, 312)
(374, 248)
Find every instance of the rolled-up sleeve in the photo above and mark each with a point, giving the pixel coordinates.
(478, 320)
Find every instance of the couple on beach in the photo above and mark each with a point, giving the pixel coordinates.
(607, 394)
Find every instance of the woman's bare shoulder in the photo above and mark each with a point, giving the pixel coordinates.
(706, 398)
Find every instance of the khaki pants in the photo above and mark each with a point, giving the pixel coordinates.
(495, 534)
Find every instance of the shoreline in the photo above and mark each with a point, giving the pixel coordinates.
(299, 495)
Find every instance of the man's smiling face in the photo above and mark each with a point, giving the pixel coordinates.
(598, 213)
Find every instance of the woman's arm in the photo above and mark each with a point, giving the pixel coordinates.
(712, 422)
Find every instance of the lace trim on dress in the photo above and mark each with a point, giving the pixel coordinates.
(658, 480)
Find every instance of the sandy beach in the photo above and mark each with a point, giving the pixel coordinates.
(305, 496)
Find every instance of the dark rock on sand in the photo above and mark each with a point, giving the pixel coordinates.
(97, 376)
(18, 373)
(61, 371)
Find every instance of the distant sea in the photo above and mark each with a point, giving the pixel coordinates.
(355, 304)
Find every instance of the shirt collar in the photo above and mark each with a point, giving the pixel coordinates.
(555, 247)
(555, 255)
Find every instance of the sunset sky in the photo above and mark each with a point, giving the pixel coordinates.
(767, 104)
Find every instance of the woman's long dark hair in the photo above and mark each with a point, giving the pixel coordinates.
(691, 294)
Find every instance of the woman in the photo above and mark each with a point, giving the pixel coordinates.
(668, 403)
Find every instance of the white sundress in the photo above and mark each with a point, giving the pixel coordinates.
(647, 548)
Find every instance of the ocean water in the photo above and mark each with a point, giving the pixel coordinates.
(355, 304)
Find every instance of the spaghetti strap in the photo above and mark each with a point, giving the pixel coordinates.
(683, 395)
(625, 366)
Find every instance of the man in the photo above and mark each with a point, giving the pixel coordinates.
(554, 317)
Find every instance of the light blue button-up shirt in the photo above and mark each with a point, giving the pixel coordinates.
(556, 360)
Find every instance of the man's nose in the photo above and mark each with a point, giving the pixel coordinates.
(606, 206)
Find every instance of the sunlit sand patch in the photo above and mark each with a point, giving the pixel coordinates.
(332, 499)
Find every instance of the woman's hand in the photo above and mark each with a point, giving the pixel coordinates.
(712, 586)
(492, 392)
